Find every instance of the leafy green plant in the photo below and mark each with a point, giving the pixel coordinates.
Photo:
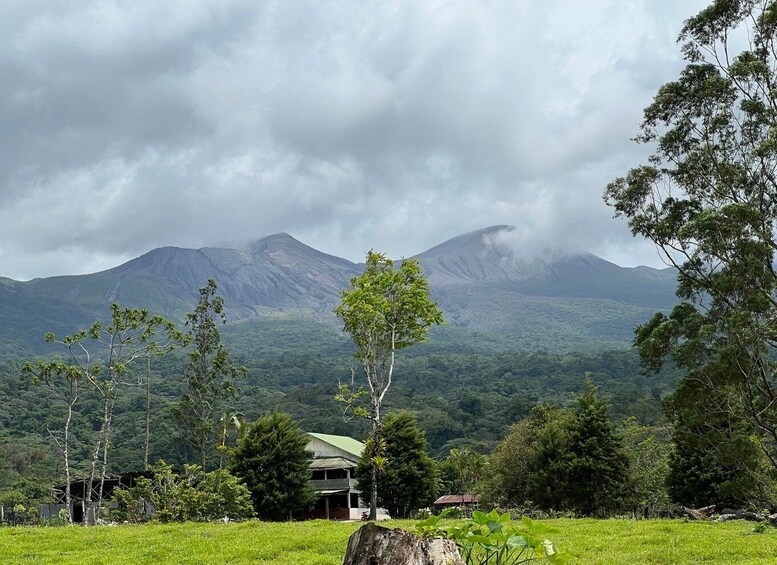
(491, 538)
(178, 497)
(760, 528)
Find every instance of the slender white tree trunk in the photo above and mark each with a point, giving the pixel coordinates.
(65, 450)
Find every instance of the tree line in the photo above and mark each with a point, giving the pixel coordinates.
(99, 359)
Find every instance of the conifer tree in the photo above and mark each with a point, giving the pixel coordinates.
(715, 457)
(407, 478)
(597, 474)
(208, 374)
(272, 460)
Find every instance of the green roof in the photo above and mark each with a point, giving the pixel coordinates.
(347, 444)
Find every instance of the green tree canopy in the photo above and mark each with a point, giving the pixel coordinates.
(598, 468)
(208, 375)
(272, 460)
(192, 495)
(716, 457)
(386, 309)
(561, 459)
(648, 449)
(527, 467)
(708, 199)
(407, 479)
(469, 469)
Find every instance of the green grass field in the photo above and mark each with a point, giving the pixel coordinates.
(323, 543)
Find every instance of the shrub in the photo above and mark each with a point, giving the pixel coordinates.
(271, 458)
(192, 495)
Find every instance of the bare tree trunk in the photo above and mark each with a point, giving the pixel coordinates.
(65, 450)
(69, 398)
(374, 493)
(101, 438)
(374, 465)
(148, 413)
(104, 470)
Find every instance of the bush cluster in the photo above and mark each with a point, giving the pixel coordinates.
(192, 495)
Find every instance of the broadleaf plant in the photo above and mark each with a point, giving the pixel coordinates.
(491, 538)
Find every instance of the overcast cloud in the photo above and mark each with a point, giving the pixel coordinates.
(350, 125)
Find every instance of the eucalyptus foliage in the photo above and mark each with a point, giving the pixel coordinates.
(708, 199)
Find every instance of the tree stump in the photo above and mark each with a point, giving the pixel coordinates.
(376, 545)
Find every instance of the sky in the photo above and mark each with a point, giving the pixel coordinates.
(126, 126)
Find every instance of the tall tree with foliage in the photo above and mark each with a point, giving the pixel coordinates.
(708, 199)
(529, 465)
(101, 356)
(470, 467)
(271, 458)
(715, 458)
(208, 374)
(385, 310)
(407, 479)
(598, 468)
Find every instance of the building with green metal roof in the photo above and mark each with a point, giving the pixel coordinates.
(333, 476)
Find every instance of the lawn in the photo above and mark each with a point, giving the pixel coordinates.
(323, 543)
(610, 542)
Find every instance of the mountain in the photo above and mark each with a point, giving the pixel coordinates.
(555, 301)
(482, 258)
(277, 274)
(491, 292)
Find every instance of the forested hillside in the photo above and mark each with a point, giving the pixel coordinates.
(520, 330)
(461, 398)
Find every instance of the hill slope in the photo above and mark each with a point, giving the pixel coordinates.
(490, 293)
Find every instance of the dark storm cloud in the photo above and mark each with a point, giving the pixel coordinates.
(351, 125)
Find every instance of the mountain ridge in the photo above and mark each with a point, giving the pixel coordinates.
(480, 281)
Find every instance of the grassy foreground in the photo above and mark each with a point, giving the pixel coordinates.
(323, 543)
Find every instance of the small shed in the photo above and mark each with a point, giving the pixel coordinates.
(456, 501)
(80, 509)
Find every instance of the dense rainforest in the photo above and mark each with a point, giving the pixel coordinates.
(461, 398)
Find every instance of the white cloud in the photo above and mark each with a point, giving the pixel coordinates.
(351, 125)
